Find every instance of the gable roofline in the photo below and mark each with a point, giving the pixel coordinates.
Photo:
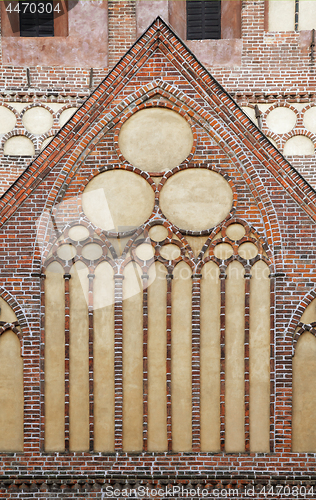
(158, 31)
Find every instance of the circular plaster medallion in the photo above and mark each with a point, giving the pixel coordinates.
(196, 199)
(158, 233)
(145, 251)
(118, 200)
(281, 120)
(37, 120)
(155, 139)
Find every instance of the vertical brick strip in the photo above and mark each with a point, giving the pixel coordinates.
(42, 365)
(145, 361)
(272, 365)
(247, 277)
(222, 277)
(118, 360)
(196, 385)
(168, 364)
(91, 378)
(122, 28)
(67, 318)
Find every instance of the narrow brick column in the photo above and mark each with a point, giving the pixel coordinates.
(168, 363)
(196, 372)
(42, 364)
(247, 277)
(222, 277)
(145, 278)
(91, 376)
(118, 360)
(67, 318)
(122, 28)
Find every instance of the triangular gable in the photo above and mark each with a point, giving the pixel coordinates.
(79, 136)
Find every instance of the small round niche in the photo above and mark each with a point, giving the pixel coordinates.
(155, 139)
(118, 200)
(223, 251)
(170, 252)
(93, 251)
(196, 199)
(78, 233)
(158, 233)
(248, 251)
(37, 120)
(145, 251)
(66, 252)
(235, 232)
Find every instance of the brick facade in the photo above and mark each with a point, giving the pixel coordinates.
(270, 198)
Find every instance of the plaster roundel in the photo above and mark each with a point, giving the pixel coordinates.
(155, 139)
(196, 199)
(118, 200)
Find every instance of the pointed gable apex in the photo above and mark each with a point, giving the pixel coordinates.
(81, 133)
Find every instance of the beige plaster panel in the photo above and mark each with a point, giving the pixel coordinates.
(54, 358)
(103, 358)
(310, 119)
(157, 354)
(85, 46)
(298, 145)
(181, 358)
(281, 15)
(210, 358)
(196, 199)
(11, 393)
(118, 200)
(79, 359)
(309, 315)
(19, 145)
(158, 233)
(132, 361)
(46, 142)
(119, 244)
(196, 243)
(304, 400)
(234, 359)
(155, 139)
(66, 252)
(37, 120)
(7, 120)
(235, 232)
(147, 11)
(6, 313)
(307, 15)
(217, 52)
(281, 120)
(259, 358)
(250, 112)
(66, 115)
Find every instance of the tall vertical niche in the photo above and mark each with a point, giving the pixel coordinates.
(11, 386)
(304, 395)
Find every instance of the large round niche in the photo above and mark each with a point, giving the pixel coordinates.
(118, 200)
(155, 139)
(196, 199)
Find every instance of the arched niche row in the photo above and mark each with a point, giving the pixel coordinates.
(11, 382)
